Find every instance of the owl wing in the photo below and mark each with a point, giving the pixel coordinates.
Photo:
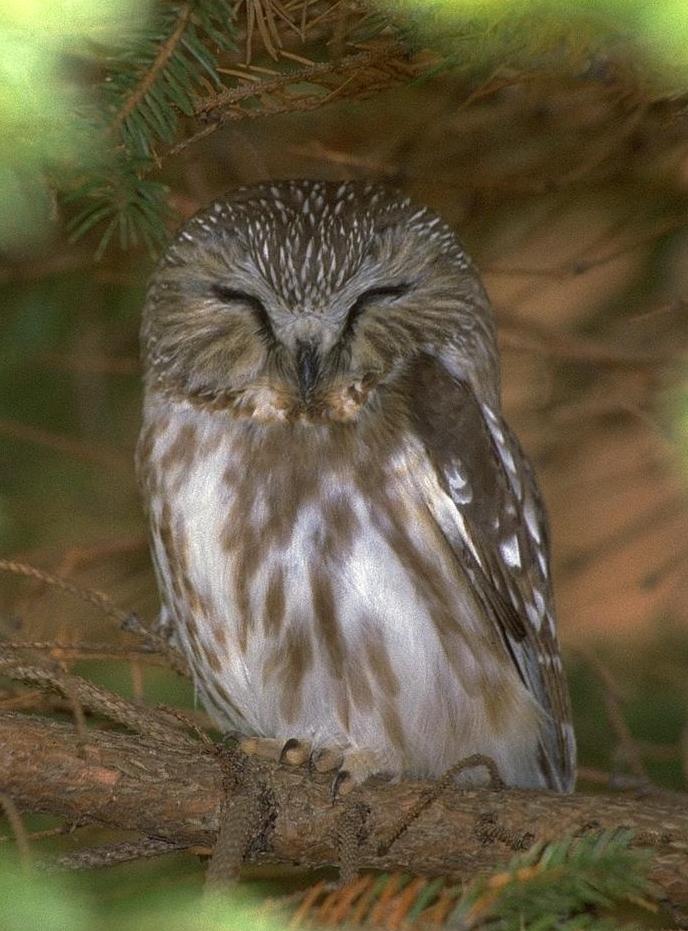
(501, 541)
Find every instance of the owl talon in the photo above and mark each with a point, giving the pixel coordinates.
(265, 748)
(295, 752)
(326, 759)
(342, 784)
(357, 766)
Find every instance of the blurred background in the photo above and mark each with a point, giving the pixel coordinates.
(556, 145)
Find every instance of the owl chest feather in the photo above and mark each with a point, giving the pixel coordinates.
(314, 592)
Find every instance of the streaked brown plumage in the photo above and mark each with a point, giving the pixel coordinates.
(349, 542)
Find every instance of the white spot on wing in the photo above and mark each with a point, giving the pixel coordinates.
(497, 434)
(542, 560)
(511, 552)
(531, 519)
(458, 486)
(539, 601)
(533, 616)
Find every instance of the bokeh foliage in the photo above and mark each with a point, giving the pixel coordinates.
(567, 885)
(47, 131)
(533, 32)
(31, 900)
(95, 94)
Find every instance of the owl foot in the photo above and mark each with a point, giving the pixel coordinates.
(326, 759)
(293, 752)
(354, 768)
(350, 767)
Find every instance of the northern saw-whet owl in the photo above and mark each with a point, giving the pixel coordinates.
(349, 542)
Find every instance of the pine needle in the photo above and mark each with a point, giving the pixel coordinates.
(560, 886)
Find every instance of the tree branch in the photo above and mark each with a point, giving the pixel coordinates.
(176, 791)
(149, 77)
(158, 724)
(361, 74)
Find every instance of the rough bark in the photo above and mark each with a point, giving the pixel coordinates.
(177, 791)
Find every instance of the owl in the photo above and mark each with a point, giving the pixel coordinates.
(350, 545)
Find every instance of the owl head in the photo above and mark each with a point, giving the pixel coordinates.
(301, 299)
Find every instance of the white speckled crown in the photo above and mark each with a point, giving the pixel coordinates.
(306, 236)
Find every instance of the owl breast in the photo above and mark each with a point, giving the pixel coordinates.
(315, 596)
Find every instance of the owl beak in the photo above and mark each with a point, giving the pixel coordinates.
(307, 367)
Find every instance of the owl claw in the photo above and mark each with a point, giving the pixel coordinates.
(351, 767)
(265, 748)
(326, 759)
(295, 752)
(342, 784)
(356, 767)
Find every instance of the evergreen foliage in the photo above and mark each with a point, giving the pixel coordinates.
(156, 74)
(119, 196)
(563, 885)
(152, 77)
(97, 137)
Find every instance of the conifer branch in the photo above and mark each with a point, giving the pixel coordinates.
(358, 75)
(555, 885)
(151, 74)
(172, 787)
(214, 105)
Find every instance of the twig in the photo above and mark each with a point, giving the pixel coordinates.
(225, 105)
(490, 829)
(186, 721)
(599, 777)
(100, 600)
(240, 818)
(69, 689)
(174, 790)
(127, 620)
(38, 700)
(653, 517)
(583, 265)
(165, 52)
(149, 722)
(59, 831)
(518, 334)
(667, 567)
(58, 649)
(175, 660)
(352, 830)
(76, 557)
(20, 836)
(612, 701)
(110, 855)
(470, 762)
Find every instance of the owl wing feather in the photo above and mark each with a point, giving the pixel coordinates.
(502, 542)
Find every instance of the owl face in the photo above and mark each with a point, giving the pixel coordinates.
(298, 300)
